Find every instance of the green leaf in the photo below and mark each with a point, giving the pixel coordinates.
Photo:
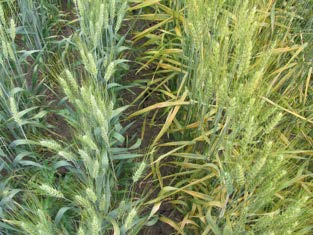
(118, 111)
(61, 164)
(118, 137)
(20, 157)
(60, 214)
(22, 113)
(153, 221)
(126, 156)
(213, 224)
(16, 90)
(136, 145)
(31, 163)
(19, 142)
(144, 4)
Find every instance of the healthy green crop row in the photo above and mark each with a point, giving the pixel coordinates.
(225, 84)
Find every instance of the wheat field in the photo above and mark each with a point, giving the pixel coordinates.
(156, 117)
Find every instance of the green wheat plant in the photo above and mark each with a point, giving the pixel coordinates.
(235, 164)
(95, 155)
(219, 91)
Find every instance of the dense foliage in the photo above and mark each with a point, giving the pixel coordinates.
(112, 110)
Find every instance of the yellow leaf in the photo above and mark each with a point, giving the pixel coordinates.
(144, 4)
(172, 224)
(158, 106)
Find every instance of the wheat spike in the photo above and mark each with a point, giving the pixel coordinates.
(106, 17)
(80, 231)
(273, 123)
(81, 8)
(104, 134)
(102, 203)
(2, 18)
(255, 82)
(101, 119)
(66, 88)
(1, 92)
(130, 218)
(240, 175)
(51, 144)
(95, 225)
(71, 81)
(95, 169)
(112, 10)
(29, 228)
(109, 72)
(51, 191)
(83, 55)
(10, 51)
(268, 147)
(12, 29)
(120, 16)
(88, 140)
(257, 167)
(100, 22)
(5, 49)
(228, 183)
(82, 201)
(121, 208)
(91, 66)
(91, 195)
(139, 172)
(14, 111)
(68, 156)
(86, 159)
